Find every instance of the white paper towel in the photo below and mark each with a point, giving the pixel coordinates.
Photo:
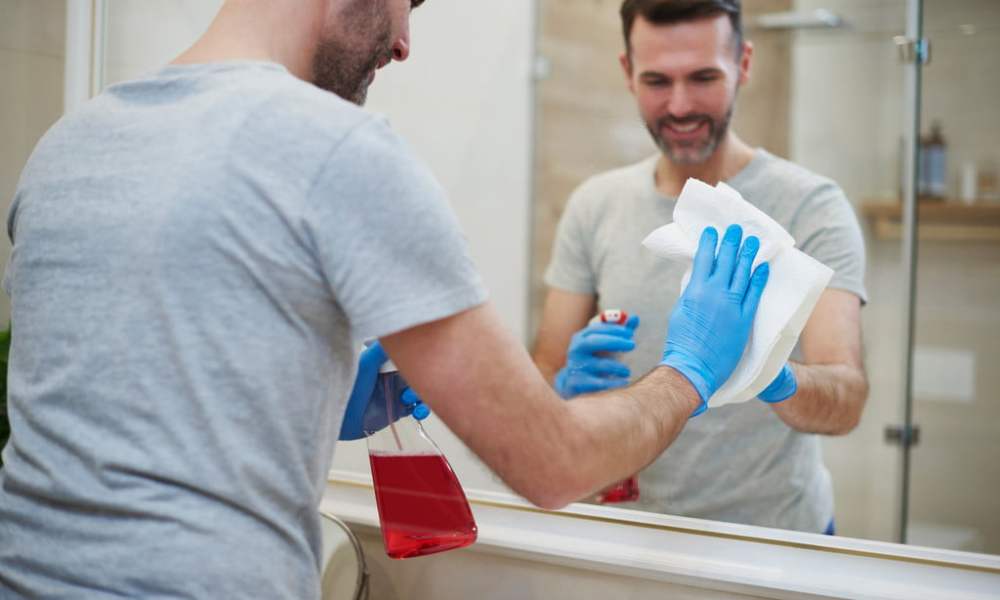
(793, 287)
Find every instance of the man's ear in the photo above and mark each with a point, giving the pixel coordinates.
(626, 64)
(746, 57)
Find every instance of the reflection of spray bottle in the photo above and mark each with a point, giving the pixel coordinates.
(421, 505)
(626, 490)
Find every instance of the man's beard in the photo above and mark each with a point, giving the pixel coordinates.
(345, 66)
(692, 153)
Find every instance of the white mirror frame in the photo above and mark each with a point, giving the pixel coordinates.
(711, 555)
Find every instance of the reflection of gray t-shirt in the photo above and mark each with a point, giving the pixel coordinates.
(737, 463)
(195, 255)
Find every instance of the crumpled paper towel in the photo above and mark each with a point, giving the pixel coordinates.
(793, 287)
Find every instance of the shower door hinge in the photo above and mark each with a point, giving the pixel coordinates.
(902, 436)
(913, 50)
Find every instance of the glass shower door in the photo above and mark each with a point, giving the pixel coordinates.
(848, 121)
(954, 478)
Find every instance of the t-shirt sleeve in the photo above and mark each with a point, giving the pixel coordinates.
(571, 267)
(828, 231)
(386, 240)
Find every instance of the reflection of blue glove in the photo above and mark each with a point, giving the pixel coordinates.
(782, 388)
(366, 409)
(711, 323)
(585, 371)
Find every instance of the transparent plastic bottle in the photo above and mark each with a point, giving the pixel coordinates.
(626, 490)
(421, 505)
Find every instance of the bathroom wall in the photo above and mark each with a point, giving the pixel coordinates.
(144, 35)
(464, 101)
(32, 54)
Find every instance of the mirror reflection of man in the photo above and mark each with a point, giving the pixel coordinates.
(755, 462)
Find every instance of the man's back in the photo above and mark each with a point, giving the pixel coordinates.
(182, 349)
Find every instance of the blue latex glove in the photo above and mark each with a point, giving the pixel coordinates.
(712, 321)
(366, 406)
(782, 388)
(586, 370)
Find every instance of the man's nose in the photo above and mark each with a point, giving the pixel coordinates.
(679, 104)
(401, 49)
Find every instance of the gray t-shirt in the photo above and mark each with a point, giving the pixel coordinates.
(737, 463)
(196, 255)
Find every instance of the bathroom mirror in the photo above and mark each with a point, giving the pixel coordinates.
(829, 90)
(514, 104)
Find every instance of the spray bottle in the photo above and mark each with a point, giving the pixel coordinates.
(421, 505)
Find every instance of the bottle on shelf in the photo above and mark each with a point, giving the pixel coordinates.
(933, 176)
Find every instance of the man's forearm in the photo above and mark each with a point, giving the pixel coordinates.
(651, 413)
(829, 399)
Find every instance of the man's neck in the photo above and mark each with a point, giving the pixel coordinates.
(732, 155)
(246, 31)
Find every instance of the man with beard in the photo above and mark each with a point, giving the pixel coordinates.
(755, 462)
(196, 255)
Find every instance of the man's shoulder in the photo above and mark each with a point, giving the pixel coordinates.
(303, 107)
(793, 195)
(793, 181)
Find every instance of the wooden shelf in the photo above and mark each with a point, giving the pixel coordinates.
(937, 220)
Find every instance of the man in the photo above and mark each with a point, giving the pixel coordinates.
(756, 462)
(197, 253)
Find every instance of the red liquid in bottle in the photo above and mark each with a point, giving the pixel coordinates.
(626, 490)
(421, 505)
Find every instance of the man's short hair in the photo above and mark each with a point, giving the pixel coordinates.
(668, 12)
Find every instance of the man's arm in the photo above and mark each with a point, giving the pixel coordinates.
(832, 386)
(478, 378)
(564, 314)
(483, 385)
